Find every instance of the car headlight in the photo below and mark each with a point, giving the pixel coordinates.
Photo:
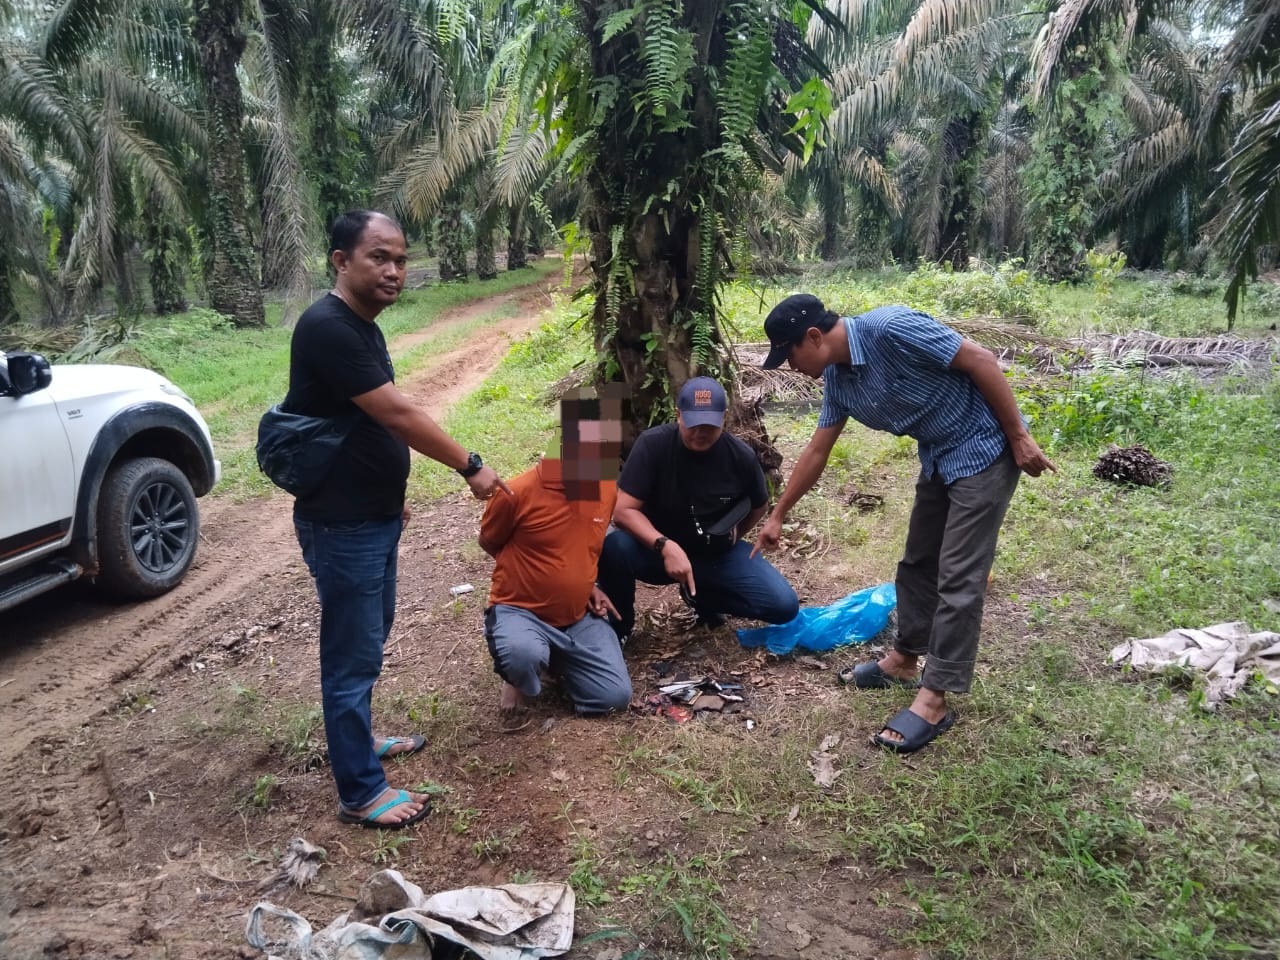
(175, 391)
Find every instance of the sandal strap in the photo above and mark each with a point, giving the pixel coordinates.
(910, 725)
(401, 797)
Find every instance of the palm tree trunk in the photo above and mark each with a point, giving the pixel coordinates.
(130, 303)
(517, 257)
(453, 251)
(960, 142)
(832, 203)
(163, 251)
(486, 260)
(334, 192)
(1062, 178)
(537, 248)
(8, 306)
(234, 288)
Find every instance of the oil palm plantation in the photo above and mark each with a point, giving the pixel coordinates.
(916, 88)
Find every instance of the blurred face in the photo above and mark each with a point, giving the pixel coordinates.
(371, 277)
(699, 439)
(591, 434)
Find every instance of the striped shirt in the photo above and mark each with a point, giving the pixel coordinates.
(900, 379)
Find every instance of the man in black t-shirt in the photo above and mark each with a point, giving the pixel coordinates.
(349, 528)
(687, 495)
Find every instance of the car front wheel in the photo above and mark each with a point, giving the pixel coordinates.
(147, 528)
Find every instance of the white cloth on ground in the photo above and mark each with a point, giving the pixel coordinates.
(515, 921)
(1227, 653)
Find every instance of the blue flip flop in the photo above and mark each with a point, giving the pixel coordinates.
(869, 676)
(416, 741)
(370, 820)
(916, 731)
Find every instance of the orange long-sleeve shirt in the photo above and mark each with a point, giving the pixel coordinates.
(547, 546)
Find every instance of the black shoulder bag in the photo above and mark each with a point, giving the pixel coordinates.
(297, 451)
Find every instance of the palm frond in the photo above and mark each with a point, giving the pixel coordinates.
(1071, 24)
(33, 97)
(1252, 186)
(1149, 163)
(866, 170)
(287, 216)
(145, 101)
(522, 164)
(395, 45)
(1246, 61)
(71, 26)
(939, 21)
(441, 163)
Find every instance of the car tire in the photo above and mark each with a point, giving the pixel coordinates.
(148, 526)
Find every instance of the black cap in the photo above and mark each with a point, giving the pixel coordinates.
(787, 323)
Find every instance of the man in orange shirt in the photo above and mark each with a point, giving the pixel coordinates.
(545, 610)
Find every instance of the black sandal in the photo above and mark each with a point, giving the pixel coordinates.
(915, 730)
(869, 676)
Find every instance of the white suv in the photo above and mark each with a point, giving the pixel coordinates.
(100, 467)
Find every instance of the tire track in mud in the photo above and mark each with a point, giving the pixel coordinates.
(75, 660)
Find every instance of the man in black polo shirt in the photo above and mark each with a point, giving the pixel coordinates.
(687, 495)
(349, 528)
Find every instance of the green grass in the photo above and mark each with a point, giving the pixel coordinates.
(1177, 307)
(1077, 811)
(1090, 819)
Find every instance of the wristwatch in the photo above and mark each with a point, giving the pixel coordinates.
(474, 463)
(659, 544)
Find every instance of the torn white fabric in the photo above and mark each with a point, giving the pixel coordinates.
(516, 921)
(1227, 653)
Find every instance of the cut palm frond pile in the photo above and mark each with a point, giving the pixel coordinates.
(1134, 465)
(1136, 350)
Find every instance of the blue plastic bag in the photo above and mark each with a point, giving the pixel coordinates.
(853, 619)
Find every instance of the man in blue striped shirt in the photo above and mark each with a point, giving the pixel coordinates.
(896, 369)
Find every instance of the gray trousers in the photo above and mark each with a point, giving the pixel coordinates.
(585, 655)
(942, 577)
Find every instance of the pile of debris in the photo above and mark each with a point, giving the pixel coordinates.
(1134, 465)
(679, 700)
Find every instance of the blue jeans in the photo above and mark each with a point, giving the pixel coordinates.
(730, 583)
(354, 567)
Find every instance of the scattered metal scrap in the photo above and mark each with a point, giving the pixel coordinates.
(680, 700)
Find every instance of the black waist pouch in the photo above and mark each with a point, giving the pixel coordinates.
(297, 451)
(717, 536)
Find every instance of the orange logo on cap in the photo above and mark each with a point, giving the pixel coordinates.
(702, 398)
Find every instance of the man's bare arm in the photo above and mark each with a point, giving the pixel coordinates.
(409, 422)
(984, 370)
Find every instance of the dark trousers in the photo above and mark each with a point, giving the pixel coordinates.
(731, 582)
(942, 577)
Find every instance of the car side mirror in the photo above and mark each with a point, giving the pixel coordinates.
(28, 372)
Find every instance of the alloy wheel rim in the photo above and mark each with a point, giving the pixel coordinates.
(158, 527)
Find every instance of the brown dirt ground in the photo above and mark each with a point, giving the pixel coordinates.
(132, 737)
